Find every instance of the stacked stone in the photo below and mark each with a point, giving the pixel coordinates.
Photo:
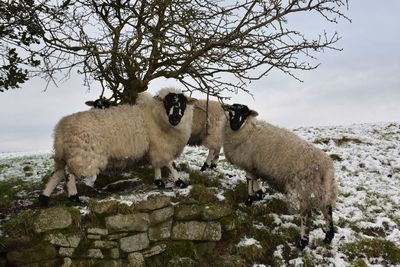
(127, 239)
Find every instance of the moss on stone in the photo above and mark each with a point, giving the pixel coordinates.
(174, 249)
(197, 177)
(41, 252)
(20, 224)
(106, 208)
(203, 194)
(237, 195)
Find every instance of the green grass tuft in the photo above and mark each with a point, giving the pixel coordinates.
(203, 194)
(197, 177)
(373, 248)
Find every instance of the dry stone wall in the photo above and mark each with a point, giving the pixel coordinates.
(113, 236)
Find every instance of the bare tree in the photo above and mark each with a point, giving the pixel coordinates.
(207, 45)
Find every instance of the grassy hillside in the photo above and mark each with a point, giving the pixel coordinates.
(367, 216)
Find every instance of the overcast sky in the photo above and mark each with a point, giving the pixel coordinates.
(360, 84)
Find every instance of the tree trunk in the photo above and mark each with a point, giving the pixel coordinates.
(131, 90)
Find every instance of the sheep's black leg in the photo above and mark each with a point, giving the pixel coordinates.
(75, 199)
(205, 166)
(305, 226)
(180, 184)
(159, 183)
(328, 214)
(175, 175)
(43, 201)
(250, 197)
(259, 194)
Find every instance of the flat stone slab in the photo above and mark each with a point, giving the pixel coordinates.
(153, 202)
(161, 215)
(64, 240)
(136, 259)
(105, 244)
(131, 222)
(134, 242)
(194, 230)
(51, 219)
(161, 231)
(186, 212)
(97, 231)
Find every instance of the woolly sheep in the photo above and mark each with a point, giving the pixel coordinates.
(288, 163)
(208, 131)
(84, 142)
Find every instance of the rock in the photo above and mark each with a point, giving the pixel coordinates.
(41, 252)
(154, 250)
(131, 222)
(64, 240)
(153, 202)
(161, 231)
(52, 218)
(116, 236)
(66, 252)
(114, 253)
(94, 253)
(193, 230)
(188, 212)
(181, 262)
(67, 262)
(97, 231)
(161, 215)
(101, 207)
(215, 212)
(136, 259)
(105, 244)
(134, 242)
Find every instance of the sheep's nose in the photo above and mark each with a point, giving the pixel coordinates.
(174, 119)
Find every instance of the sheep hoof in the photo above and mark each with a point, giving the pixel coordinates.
(329, 236)
(75, 199)
(259, 195)
(180, 184)
(302, 243)
(205, 167)
(43, 201)
(159, 183)
(249, 201)
(213, 166)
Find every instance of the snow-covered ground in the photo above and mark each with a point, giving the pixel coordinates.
(367, 163)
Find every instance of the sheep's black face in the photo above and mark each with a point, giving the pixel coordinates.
(175, 106)
(237, 115)
(101, 103)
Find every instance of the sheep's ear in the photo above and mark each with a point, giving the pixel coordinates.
(90, 103)
(158, 98)
(191, 100)
(253, 113)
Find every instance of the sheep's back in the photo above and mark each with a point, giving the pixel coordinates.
(116, 132)
(215, 120)
(275, 154)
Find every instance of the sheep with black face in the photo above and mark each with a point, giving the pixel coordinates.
(84, 142)
(289, 164)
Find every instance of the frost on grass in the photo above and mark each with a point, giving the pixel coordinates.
(249, 241)
(367, 215)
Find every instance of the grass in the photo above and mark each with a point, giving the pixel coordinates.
(203, 194)
(373, 248)
(11, 191)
